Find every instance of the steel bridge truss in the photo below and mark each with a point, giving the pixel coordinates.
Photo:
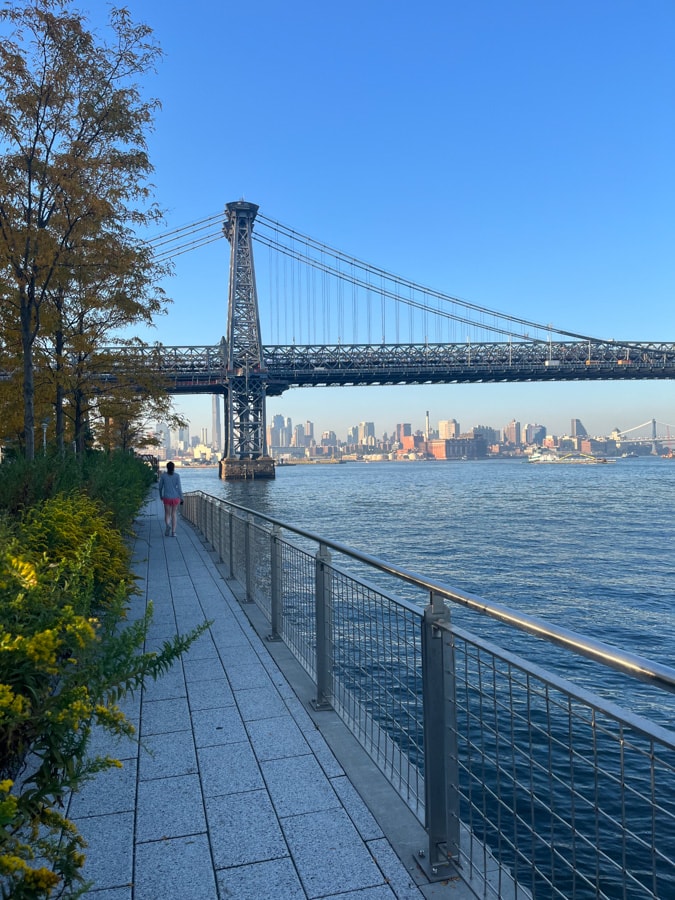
(247, 380)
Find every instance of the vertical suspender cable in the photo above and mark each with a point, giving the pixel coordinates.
(324, 299)
(355, 327)
(340, 310)
(286, 330)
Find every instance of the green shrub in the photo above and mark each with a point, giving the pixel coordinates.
(118, 480)
(23, 484)
(67, 657)
(59, 528)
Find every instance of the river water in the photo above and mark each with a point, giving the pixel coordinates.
(587, 547)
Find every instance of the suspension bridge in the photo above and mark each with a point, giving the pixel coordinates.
(336, 320)
(649, 432)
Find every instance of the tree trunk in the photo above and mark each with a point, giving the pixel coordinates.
(78, 412)
(27, 338)
(59, 394)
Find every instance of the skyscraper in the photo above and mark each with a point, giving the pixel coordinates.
(535, 434)
(298, 439)
(403, 430)
(183, 438)
(512, 433)
(367, 433)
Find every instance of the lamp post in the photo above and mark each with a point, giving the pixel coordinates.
(45, 424)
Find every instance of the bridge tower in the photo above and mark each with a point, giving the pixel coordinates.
(245, 451)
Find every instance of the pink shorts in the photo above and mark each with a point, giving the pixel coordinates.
(170, 501)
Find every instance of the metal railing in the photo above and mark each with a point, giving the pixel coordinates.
(531, 785)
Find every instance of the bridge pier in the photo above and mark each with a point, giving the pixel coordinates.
(233, 469)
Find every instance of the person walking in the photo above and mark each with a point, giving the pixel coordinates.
(171, 495)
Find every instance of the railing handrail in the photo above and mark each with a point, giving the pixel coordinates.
(630, 664)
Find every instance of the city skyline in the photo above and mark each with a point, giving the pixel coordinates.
(321, 415)
(419, 425)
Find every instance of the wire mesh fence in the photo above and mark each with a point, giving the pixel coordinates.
(529, 784)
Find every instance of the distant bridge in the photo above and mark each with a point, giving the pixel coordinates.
(315, 291)
(659, 432)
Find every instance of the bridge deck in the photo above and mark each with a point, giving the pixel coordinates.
(233, 790)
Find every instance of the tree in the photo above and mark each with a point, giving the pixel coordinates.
(73, 177)
(114, 290)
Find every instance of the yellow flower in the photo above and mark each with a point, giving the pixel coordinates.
(41, 648)
(42, 879)
(10, 863)
(23, 571)
(12, 703)
(8, 643)
(82, 631)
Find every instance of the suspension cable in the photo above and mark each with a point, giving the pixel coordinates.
(208, 230)
(344, 258)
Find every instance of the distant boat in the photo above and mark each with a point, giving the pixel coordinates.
(543, 456)
(550, 456)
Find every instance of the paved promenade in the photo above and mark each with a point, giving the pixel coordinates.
(233, 791)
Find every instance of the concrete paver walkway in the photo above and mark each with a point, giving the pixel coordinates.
(232, 791)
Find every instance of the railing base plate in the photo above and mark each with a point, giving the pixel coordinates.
(320, 705)
(445, 871)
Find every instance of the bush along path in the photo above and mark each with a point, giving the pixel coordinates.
(67, 657)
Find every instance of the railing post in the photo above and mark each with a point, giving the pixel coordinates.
(221, 516)
(215, 541)
(230, 536)
(441, 770)
(324, 630)
(248, 556)
(275, 592)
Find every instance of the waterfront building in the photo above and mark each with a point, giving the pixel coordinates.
(329, 440)
(457, 448)
(367, 434)
(183, 441)
(491, 435)
(597, 447)
(535, 434)
(163, 435)
(202, 452)
(512, 433)
(280, 432)
(448, 428)
(577, 430)
(413, 443)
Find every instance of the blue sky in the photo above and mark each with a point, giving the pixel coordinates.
(517, 154)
